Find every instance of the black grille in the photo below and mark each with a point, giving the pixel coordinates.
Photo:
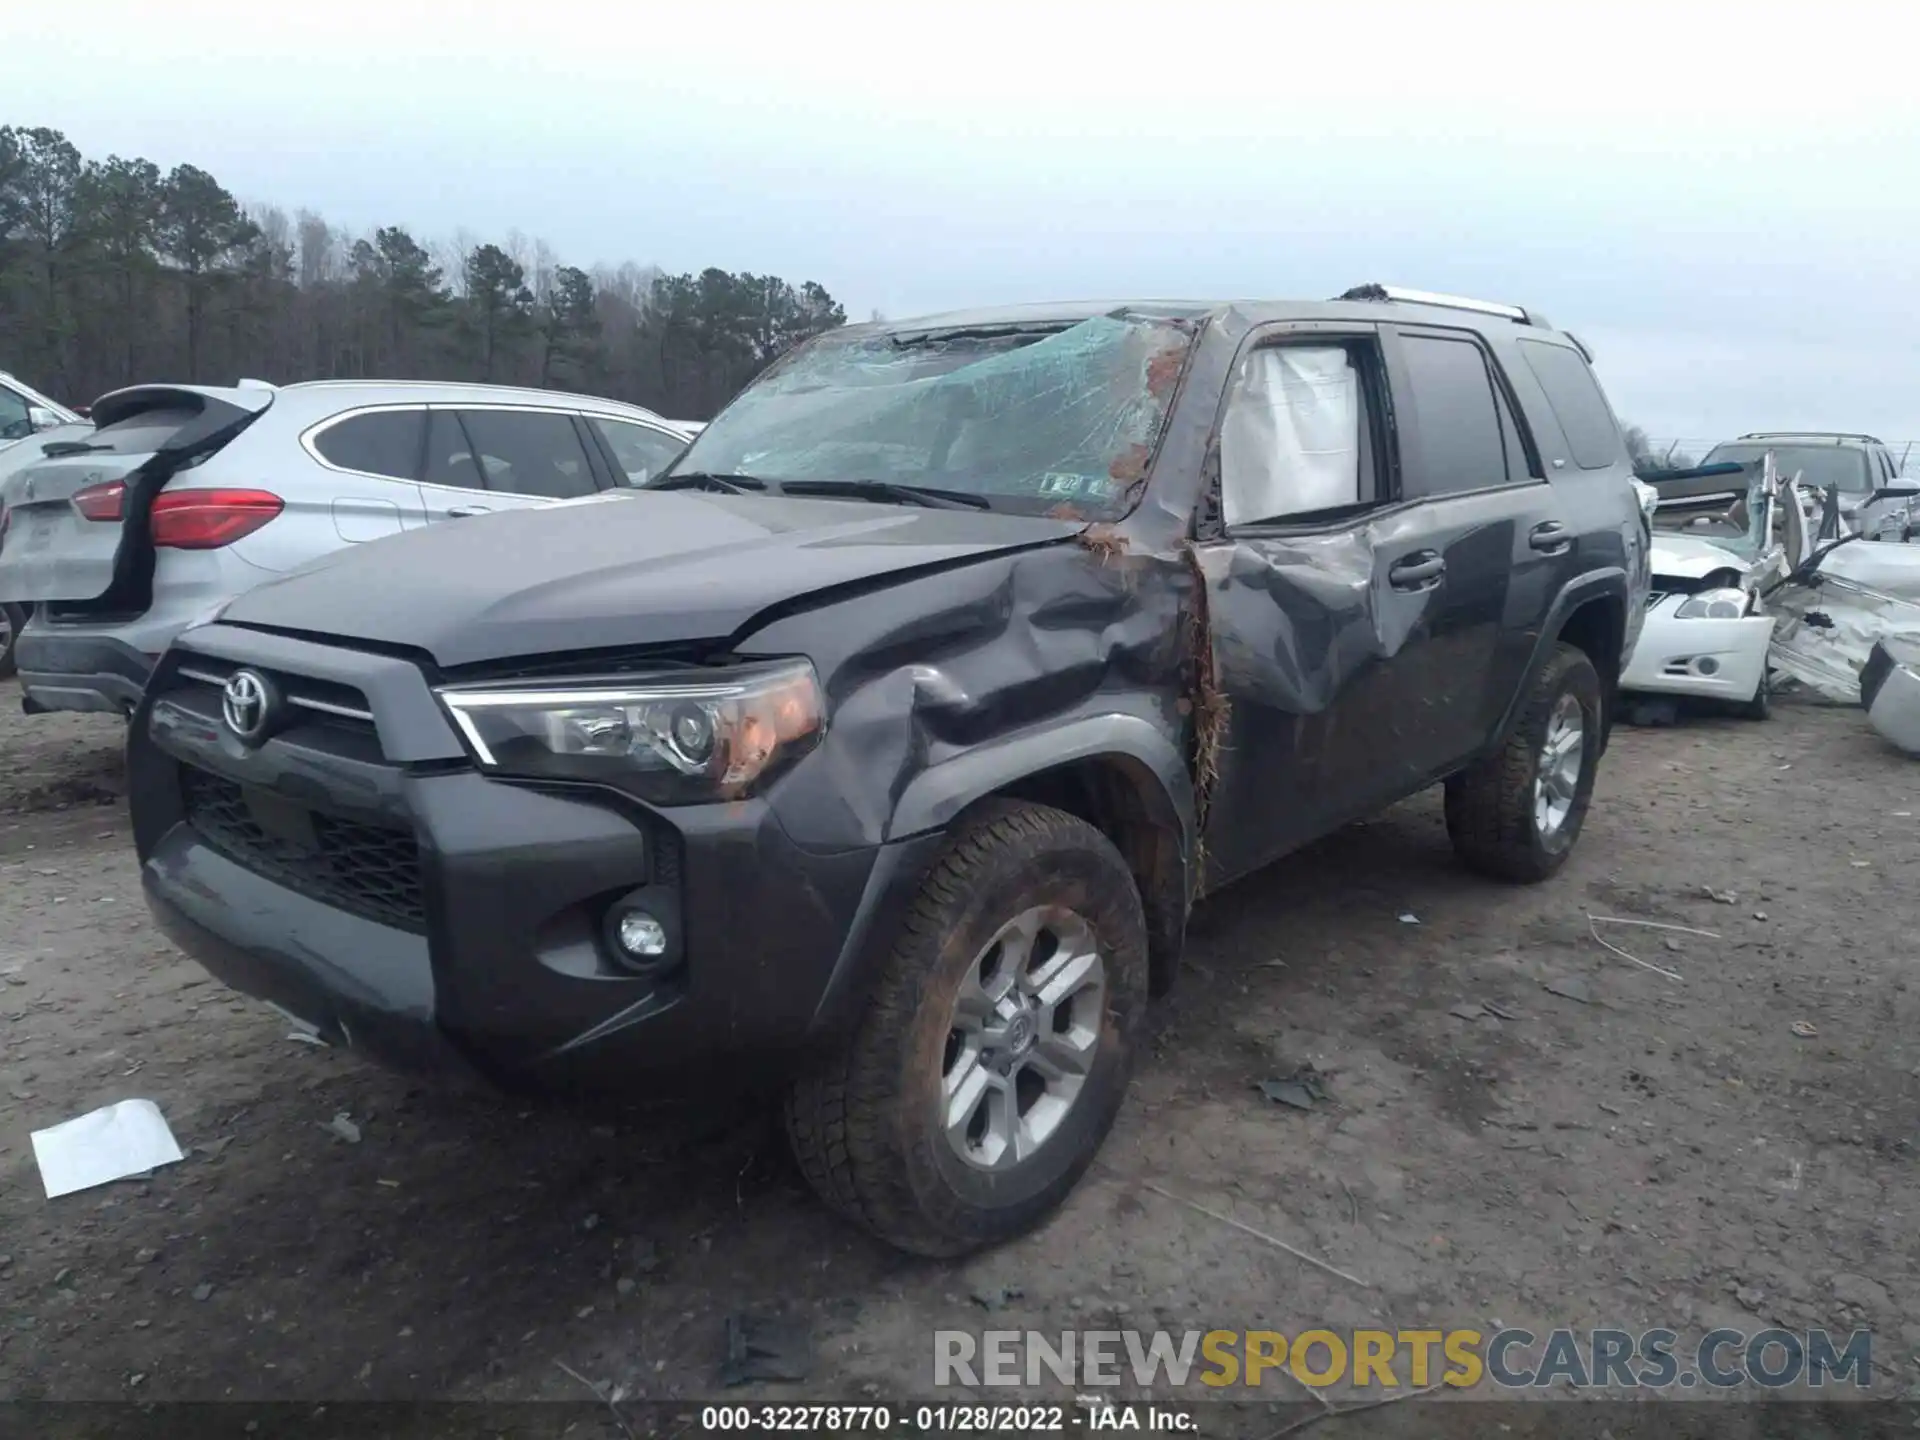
(1654, 597)
(369, 870)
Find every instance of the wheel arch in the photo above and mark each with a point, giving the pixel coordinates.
(1591, 615)
(1120, 773)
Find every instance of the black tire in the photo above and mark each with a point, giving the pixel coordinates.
(866, 1127)
(12, 622)
(1490, 807)
(1760, 707)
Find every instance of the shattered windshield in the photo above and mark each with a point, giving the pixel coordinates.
(1028, 420)
(1819, 466)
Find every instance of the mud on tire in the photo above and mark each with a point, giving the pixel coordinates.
(1492, 811)
(870, 1127)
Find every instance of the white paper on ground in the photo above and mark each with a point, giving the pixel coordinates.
(129, 1138)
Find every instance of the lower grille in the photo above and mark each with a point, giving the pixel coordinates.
(369, 870)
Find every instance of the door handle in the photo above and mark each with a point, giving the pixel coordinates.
(1418, 571)
(1550, 536)
(462, 511)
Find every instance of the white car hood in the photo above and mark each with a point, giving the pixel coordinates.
(1685, 557)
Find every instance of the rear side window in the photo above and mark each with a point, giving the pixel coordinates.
(529, 452)
(1577, 404)
(1458, 442)
(385, 442)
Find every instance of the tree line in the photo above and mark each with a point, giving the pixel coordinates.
(114, 272)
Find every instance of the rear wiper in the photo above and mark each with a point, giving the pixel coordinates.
(928, 495)
(696, 479)
(58, 448)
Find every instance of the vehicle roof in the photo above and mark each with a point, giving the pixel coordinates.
(308, 400)
(1247, 312)
(1839, 440)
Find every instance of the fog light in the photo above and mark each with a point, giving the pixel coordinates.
(641, 936)
(1707, 665)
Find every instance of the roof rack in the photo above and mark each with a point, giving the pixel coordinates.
(1446, 302)
(1811, 435)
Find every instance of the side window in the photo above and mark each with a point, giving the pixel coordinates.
(1578, 405)
(641, 451)
(1459, 438)
(450, 454)
(386, 442)
(1297, 439)
(15, 423)
(529, 452)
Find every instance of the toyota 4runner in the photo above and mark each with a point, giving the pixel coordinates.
(878, 750)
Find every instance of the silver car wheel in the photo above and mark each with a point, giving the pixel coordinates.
(1558, 779)
(1025, 1029)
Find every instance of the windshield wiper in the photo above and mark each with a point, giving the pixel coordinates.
(58, 448)
(694, 479)
(929, 495)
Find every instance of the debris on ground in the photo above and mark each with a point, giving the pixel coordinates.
(1724, 897)
(1409, 918)
(113, 1143)
(1594, 923)
(759, 1348)
(998, 1297)
(1804, 1029)
(1570, 988)
(203, 1292)
(342, 1126)
(1303, 1089)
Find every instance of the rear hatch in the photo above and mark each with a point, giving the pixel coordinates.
(76, 525)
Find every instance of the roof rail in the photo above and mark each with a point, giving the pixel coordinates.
(1811, 435)
(1447, 302)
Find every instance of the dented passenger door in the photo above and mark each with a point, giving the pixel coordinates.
(1316, 577)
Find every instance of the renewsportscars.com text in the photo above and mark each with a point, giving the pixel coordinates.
(1510, 1359)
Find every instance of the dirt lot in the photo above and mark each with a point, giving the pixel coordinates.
(1658, 1151)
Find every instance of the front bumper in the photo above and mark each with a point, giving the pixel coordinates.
(366, 879)
(1711, 659)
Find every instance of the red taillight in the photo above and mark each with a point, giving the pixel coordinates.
(208, 519)
(105, 501)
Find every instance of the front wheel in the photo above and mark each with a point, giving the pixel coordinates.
(997, 1047)
(1760, 707)
(1515, 815)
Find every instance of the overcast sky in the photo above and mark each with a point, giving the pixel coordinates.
(1724, 206)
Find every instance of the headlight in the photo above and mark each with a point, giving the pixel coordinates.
(1713, 605)
(675, 739)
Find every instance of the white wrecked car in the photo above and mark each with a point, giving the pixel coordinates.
(1722, 534)
(1849, 628)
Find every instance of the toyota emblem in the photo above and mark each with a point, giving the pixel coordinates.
(246, 705)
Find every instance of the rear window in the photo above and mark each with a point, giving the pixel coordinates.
(143, 433)
(1578, 405)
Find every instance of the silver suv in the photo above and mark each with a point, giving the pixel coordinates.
(183, 496)
(1858, 479)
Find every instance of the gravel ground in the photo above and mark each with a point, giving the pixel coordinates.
(1628, 1149)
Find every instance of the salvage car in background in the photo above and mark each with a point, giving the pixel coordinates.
(1856, 474)
(878, 750)
(25, 412)
(1715, 552)
(181, 497)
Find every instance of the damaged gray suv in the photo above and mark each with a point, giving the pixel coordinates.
(877, 751)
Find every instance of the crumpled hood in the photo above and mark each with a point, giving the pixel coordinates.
(615, 570)
(1686, 557)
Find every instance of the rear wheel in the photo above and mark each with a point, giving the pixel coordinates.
(13, 619)
(998, 1044)
(1515, 815)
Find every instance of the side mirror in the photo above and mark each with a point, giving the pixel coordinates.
(1901, 491)
(42, 418)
